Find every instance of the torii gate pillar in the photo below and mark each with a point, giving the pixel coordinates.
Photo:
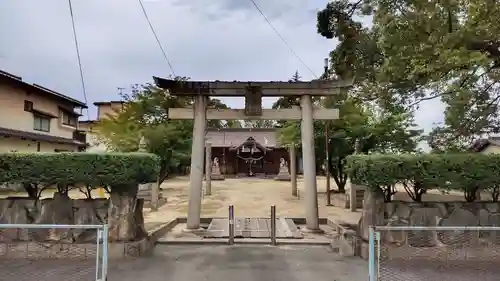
(197, 161)
(309, 164)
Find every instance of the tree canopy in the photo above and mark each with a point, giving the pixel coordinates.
(404, 52)
(366, 124)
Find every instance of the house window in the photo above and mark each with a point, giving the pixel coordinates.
(68, 119)
(41, 123)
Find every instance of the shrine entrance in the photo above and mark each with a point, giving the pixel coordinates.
(245, 152)
(250, 156)
(253, 93)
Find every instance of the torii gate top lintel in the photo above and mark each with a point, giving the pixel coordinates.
(240, 89)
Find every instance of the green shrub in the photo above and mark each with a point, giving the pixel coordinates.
(96, 169)
(419, 173)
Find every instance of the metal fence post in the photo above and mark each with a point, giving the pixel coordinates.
(231, 225)
(371, 255)
(98, 257)
(273, 225)
(105, 244)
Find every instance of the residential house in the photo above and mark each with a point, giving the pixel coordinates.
(104, 109)
(36, 119)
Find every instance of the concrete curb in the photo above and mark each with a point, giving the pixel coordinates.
(347, 243)
(243, 241)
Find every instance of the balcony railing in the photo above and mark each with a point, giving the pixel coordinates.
(80, 136)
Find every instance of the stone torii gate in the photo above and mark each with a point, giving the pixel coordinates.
(253, 93)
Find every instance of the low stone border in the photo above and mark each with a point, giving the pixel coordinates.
(119, 250)
(160, 231)
(164, 229)
(347, 243)
(41, 250)
(61, 250)
(340, 200)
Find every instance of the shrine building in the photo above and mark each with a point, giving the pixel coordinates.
(247, 152)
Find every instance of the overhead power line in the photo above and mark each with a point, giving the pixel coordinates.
(78, 56)
(282, 38)
(156, 37)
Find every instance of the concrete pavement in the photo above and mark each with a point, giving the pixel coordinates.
(241, 263)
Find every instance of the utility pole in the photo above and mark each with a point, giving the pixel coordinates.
(327, 154)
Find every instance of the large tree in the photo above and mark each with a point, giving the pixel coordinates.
(146, 114)
(403, 52)
(375, 114)
(360, 124)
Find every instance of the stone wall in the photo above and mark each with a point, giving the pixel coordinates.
(123, 214)
(398, 213)
(441, 214)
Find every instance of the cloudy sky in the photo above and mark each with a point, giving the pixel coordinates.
(204, 39)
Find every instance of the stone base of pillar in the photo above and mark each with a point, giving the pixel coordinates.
(196, 230)
(313, 231)
(283, 177)
(216, 174)
(283, 174)
(217, 177)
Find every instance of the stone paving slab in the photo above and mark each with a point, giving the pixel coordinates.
(177, 235)
(252, 228)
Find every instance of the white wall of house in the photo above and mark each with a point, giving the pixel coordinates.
(108, 109)
(12, 143)
(104, 110)
(93, 141)
(13, 116)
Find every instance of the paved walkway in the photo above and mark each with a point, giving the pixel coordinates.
(251, 198)
(202, 263)
(240, 263)
(245, 263)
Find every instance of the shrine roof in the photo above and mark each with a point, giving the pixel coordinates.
(238, 88)
(234, 137)
(242, 129)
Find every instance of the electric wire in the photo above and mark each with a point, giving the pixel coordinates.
(78, 56)
(156, 37)
(282, 38)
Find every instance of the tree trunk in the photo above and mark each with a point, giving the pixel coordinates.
(338, 174)
(125, 214)
(470, 193)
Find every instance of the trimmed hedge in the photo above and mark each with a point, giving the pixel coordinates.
(442, 171)
(97, 169)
